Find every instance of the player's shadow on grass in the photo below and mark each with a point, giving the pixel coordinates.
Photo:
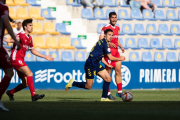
(68, 99)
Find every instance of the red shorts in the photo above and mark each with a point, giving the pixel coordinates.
(114, 53)
(5, 62)
(16, 64)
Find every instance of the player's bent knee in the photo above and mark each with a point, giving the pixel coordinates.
(118, 72)
(30, 74)
(108, 79)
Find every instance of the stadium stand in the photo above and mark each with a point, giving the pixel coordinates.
(22, 13)
(35, 14)
(55, 55)
(51, 42)
(33, 3)
(134, 56)
(87, 14)
(37, 28)
(99, 14)
(67, 25)
(21, 2)
(12, 14)
(61, 27)
(49, 27)
(29, 56)
(65, 43)
(147, 57)
(67, 56)
(80, 56)
(159, 57)
(47, 14)
(41, 59)
(171, 57)
(77, 43)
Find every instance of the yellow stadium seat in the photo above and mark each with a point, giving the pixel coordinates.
(49, 27)
(10, 44)
(21, 2)
(5, 32)
(37, 28)
(13, 25)
(10, 3)
(52, 43)
(65, 43)
(22, 13)
(34, 13)
(12, 13)
(39, 42)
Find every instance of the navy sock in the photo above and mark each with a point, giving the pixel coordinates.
(105, 89)
(79, 84)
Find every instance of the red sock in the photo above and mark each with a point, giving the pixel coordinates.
(31, 85)
(109, 89)
(17, 88)
(4, 85)
(119, 87)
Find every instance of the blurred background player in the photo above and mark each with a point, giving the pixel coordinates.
(92, 66)
(17, 60)
(114, 51)
(5, 63)
(18, 29)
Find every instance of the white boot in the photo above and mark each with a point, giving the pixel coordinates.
(2, 107)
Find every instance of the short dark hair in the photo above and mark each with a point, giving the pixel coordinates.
(108, 30)
(19, 23)
(26, 22)
(111, 14)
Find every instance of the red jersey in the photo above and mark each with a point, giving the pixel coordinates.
(26, 44)
(4, 11)
(115, 29)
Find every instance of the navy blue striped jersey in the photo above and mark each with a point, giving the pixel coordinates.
(97, 52)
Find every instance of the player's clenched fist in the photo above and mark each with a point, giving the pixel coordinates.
(49, 58)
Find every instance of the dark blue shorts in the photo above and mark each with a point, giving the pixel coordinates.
(91, 71)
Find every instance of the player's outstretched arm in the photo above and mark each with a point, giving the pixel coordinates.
(122, 58)
(105, 63)
(47, 57)
(10, 31)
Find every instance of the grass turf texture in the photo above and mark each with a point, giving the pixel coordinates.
(86, 105)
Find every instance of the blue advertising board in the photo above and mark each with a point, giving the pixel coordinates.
(135, 75)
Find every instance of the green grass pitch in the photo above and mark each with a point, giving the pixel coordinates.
(86, 105)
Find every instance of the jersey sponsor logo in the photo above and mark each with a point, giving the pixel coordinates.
(125, 75)
(115, 36)
(25, 46)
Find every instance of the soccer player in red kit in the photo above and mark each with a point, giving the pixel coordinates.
(17, 60)
(114, 51)
(5, 63)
